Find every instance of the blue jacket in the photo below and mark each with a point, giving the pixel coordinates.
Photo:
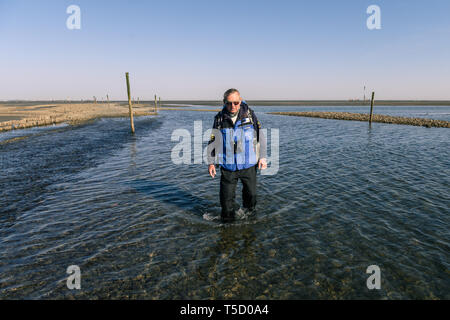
(236, 150)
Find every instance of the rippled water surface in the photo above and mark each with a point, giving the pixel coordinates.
(346, 196)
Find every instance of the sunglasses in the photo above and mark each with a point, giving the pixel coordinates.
(229, 103)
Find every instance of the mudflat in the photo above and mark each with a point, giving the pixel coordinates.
(365, 117)
(19, 116)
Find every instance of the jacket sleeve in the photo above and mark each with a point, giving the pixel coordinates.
(211, 150)
(260, 136)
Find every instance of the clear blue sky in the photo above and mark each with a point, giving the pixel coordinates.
(198, 49)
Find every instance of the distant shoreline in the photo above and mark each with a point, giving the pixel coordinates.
(251, 102)
(281, 103)
(27, 114)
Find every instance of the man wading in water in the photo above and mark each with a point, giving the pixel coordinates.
(238, 146)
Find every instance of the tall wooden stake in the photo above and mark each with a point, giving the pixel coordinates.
(156, 105)
(371, 108)
(130, 107)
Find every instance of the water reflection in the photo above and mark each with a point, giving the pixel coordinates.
(171, 194)
(133, 153)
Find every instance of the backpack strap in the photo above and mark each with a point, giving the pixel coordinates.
(220, 120)
(249, 114)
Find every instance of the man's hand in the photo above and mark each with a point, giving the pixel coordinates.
(262, 164)
(212, 170)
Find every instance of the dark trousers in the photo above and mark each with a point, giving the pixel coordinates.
(228, 182)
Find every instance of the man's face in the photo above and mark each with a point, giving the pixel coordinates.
(233, 102)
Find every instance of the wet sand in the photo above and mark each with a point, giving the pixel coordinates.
(27, 116)
(365, 117)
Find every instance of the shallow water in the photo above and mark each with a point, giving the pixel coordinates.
(138, 226)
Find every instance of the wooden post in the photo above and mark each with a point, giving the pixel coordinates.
(107, 98)
(156, 105)
(371, 108)
(130, 107)
(159, 102)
